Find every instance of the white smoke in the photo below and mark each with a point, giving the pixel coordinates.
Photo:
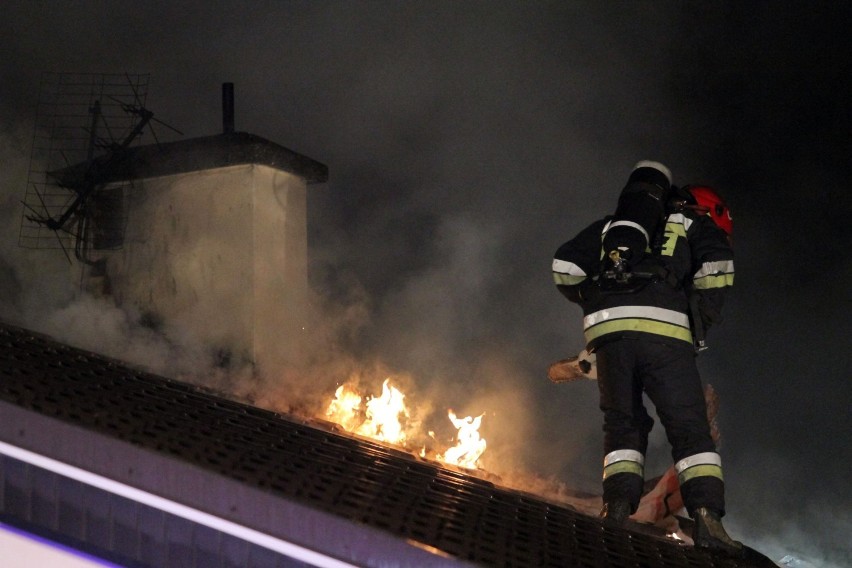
(41, 292)
(805, 535)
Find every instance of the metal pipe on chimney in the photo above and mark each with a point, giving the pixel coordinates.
(228, 108)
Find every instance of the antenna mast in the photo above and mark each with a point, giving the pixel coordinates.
(76, 195)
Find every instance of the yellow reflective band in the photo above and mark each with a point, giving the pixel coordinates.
(677, 225)
(624, 467)
(676, 228)
(715, 267)
(704, 470)
(644, 325)
(669, 245)
(567, 279)
(714, 281)
(679, 219)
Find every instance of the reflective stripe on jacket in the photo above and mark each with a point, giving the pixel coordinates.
(648, 319)
(567, 273)
(692, 251)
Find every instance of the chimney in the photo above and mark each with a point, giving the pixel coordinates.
(228, 108)
(215, 244)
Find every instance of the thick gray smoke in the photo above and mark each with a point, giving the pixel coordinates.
(465, 142)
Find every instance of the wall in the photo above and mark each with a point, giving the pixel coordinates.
(220, 254)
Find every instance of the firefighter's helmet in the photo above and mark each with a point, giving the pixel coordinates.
(708, 202)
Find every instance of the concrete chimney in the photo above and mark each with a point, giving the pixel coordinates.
(215, 245)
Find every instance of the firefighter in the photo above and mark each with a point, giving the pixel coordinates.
(650, 280)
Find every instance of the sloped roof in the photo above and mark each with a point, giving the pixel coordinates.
(349, 498)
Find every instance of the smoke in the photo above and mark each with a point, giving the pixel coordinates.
(41, 291)
(807, 529)
(430, 256)
(465, 143)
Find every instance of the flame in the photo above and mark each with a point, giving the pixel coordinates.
(380, 419)
(383, 414)
(469, 445)
(387, 418)
(345, 408)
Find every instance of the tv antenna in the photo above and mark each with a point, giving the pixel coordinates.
(80, 169)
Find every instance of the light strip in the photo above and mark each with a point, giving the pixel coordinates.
(217, 523)
(22, 549)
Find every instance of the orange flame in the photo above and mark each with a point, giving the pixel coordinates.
(383, 414)
(380, 419)
(386, 418)
(344, 409)
(469, 445)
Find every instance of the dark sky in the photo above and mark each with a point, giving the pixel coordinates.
(467, 140)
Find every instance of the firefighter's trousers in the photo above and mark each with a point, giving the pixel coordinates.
(668, 374)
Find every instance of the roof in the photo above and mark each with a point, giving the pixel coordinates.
(340, 496)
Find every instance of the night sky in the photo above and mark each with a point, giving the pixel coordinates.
(465, 142)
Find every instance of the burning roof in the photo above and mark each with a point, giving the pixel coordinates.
(134, 466)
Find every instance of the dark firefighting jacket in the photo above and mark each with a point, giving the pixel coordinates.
(688, 260)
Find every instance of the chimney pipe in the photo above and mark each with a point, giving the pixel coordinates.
(228, 108)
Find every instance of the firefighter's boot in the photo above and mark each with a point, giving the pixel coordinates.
(614, 513)
(709, 533)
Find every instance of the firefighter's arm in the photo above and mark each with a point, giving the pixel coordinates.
(713, 269)
(577, 263)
